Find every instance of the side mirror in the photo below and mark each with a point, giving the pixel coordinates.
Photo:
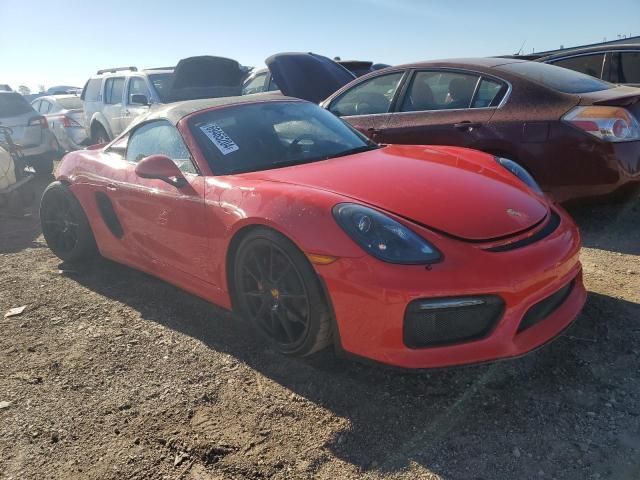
(161, 167)
(138, 99)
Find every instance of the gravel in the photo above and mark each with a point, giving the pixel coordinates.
(111, 374)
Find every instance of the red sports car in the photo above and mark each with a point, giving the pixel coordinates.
(415, 256)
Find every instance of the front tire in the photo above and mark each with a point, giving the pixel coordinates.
(64, 224)
(278, 292)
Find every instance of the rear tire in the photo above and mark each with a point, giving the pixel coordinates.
(65, 225)
(277, 291)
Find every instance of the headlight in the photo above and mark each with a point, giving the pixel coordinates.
(383, 237)
(519, 172)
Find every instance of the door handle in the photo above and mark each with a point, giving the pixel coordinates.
(467, 125)
(111, 187)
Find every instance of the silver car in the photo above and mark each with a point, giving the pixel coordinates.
(30, 131)
(65, 116)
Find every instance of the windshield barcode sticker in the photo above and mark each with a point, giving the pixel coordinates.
(219, 138)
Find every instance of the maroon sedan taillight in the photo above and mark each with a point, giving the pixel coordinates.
(613, 124)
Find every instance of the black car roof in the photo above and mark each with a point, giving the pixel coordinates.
(595, 49)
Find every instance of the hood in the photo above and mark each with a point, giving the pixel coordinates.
(432, 187)
(307, 75)
(206, 77)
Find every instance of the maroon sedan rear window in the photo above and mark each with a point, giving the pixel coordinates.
(557, 78)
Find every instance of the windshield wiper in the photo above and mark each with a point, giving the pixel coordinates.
(353, 151)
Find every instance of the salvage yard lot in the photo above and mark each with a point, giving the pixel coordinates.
(111, 373)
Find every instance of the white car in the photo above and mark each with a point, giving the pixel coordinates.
(65, 116)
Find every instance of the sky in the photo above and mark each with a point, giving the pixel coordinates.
(53, 43)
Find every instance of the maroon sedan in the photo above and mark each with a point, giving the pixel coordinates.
(577, 135)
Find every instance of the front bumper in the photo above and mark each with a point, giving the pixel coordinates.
(370, 298)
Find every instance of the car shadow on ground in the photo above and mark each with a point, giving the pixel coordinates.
(612, 227)
(20, 229)
(462, 422)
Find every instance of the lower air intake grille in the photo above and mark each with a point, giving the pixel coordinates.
(544, 308)
(432, 322)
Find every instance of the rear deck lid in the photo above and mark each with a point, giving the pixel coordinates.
(307, 76)
(206, 77)
(616, 97)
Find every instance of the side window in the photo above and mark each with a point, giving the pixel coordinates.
(113, 90)
(36, 105)
(137, 86)
(369, 97)
(273, 86)
(255, 85)
(625, 67)
(91, 91)
(162, 138)
(489, 94)
(439, 90)
(45, 107)
(588, 64)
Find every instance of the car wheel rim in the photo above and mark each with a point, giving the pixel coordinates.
(60, 224)
(274, 295)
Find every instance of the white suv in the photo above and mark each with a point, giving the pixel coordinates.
(114, 97)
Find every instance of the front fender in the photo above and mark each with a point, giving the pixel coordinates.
(303, 215)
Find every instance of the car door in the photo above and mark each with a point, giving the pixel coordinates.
(444, 107)
(162, 224)
(135, 86)
(113, 107)
(367, 105)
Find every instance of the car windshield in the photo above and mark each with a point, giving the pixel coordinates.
(557, 78)
(12, 104)
(70, 103)
(261, 136)
(162, 84)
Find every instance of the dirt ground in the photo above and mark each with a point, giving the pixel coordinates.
(111, 374)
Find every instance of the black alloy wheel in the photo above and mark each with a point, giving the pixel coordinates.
(278, 292)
